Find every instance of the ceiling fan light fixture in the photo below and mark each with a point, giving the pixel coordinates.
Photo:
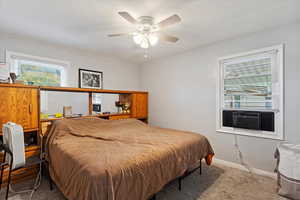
(153, 39)
(138, 38)
(147, 32)
(145, 43)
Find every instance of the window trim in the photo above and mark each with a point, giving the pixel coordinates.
(279, 113)
(9, 55)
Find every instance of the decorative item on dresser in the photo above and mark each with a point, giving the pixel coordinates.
(67, 110)
(97, 108)
(90, 79)
(13, 77)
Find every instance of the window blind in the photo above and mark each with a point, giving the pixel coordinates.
(248, 84)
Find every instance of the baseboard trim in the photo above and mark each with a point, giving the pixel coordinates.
(241, 167)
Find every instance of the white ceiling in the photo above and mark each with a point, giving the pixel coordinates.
(86, 23)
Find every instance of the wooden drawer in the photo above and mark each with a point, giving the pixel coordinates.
(117, 117)
(23, 173)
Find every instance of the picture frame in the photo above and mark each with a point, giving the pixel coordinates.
(90, 79)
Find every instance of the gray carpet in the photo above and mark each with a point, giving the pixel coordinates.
(216, 183)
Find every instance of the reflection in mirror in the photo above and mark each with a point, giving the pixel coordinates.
(111, 103)
(105, 103)
(56, 104)
(53, 102)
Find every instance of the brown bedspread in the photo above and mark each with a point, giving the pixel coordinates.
(95, 159)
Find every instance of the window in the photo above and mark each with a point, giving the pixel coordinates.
(36, 70)
(252, 81)
(248, 84)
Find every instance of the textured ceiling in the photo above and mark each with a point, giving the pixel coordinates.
(86, 23)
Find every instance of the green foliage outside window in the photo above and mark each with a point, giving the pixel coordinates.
(39, 75)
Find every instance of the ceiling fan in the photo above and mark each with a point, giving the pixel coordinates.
(147, 32)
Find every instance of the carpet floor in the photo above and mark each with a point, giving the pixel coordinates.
(217, 182)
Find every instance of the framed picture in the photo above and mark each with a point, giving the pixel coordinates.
(90, 79)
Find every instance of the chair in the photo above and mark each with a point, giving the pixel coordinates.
(34, 160)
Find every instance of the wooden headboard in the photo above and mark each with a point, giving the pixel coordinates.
(21, 104)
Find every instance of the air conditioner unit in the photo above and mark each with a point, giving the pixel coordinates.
(13, 137)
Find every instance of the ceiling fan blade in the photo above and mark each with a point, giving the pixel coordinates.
(128, 17)
(169, 21)
(168, 38)
(118, 34)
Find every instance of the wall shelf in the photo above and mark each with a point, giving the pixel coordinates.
(87, 90)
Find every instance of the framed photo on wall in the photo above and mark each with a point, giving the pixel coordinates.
(90, 79)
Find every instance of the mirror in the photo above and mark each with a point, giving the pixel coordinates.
(107, 103)
(53, 102)
(57, 102)
(111, 103)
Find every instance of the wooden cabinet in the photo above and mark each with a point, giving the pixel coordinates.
(19, 105)
(139, 105)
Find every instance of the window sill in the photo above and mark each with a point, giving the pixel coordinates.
(251, 133)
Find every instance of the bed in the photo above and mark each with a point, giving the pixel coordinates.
(92, 158)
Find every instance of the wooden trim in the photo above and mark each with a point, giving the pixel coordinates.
(112, 114)
(86, 116)
(87, 90)
(61, 118)
(31, 130)
(119, 117)
(39, 110)
(90, 103)
(32, 148)
(70, 89)
(18, 85)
